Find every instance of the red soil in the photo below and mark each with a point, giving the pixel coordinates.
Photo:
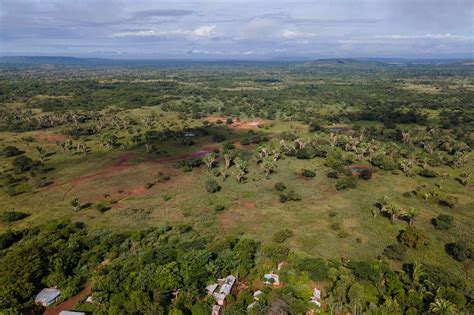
(51, 137)
(248, 204)
(122, 164)
(225, 222)
(246, 124)
(69, 304)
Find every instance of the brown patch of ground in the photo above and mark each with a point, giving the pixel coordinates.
(51, 137)
(122, 164)
(69, 304)
(225, 222)
(247, 124)
(248, 204)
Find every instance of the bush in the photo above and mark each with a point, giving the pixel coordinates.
(283, 235)
(212, 186)
(219, 207)
(11, 216)
(459, 250)
(384, 162)
(8, 238)
(283, 198)
(346, 183)
(412, 237)
(218, 138)
(395, 251)
(428, 173)
(10, 151)
(365, 174)
(280, 186)
(306, 153)
(22, 164)
(293, 196)
(443, 222)
(335, 226)
(447, 201)
(333, 174)
(308, 173)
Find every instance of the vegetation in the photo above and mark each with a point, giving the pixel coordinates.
(172, 176)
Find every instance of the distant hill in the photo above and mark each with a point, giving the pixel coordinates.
(54, 60)
(335, 61)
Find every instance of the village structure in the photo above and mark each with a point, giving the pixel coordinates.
(221, 289)
(47, 297)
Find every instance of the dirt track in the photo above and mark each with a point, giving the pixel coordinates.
(69, 304)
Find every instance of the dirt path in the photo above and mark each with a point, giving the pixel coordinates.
(69, 304)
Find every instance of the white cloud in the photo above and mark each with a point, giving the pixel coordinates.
(202, 32)
(296, 35)
(446, 36)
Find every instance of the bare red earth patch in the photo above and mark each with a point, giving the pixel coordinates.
(51, 137)
(69, 304)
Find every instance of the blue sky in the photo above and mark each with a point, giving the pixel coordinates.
(238, 29)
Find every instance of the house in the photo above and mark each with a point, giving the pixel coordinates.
(47, 296)
(71, 313)
(216, 310)
(221, 289)
(271, 278)
(316, 298)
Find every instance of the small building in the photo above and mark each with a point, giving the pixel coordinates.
(256, 295)
(316, 298)
(71, 313)
(216, 310)
(47, 296)
(221, 289)
(271, 278)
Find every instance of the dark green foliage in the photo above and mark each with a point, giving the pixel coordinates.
(346, 183)
(384, 162)
(413, 237)
(308, 173)
(443, 222)
(460, 251)
(306, 153)
(22, 164)
(212, 186)
(8, 238)
(11, 216)
(395, 251)
(425, 172)
(332, 174)
(363, 270)
(316, 268)
(280, 186)
(447, 200)
(10, 151)
(282, 235)
(365, 174)
(290, 196)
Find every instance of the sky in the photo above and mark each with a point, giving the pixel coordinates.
(238, 29)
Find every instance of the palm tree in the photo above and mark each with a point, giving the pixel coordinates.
(268, 165)
(442, 307)
(228, 157)
(411, 214)
(416, 273)
(209, 160)
(241, 169)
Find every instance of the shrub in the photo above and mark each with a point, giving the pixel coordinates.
(316, 268)
(280, 186)
(365, 174)
(332, 174)
(22, 164)
(8, 238)
(219, 207)
(342, 234)
(293, 196)
(428, 173)
(11, 216)
(100, 206)
(412, 237)
(10, 151)
(443, 222)
(459, 250)
(212, 186)
(218, 138)
(395, 251)
(282, 235)
(308, 173)
(306, 153)
(349, 182)
(447, 201)
(229, 121)
(384, 162)
(283, 198)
